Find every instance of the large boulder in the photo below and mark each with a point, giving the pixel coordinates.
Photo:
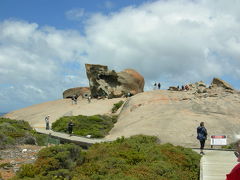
(104, 82)
(78, 91)
(221, 83)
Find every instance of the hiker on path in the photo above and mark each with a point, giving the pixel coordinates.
(70, 127)
(201, 136)
(47, 122)
(159, 85)
(235, 172)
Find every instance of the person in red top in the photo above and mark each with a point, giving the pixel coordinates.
(235, 173)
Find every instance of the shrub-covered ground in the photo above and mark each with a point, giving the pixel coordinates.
(97, 126)
(13, 132)
(136, 158)
(117, 106)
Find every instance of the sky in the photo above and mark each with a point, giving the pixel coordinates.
(44, 44)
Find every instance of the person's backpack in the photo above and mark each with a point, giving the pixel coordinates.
(201, 133)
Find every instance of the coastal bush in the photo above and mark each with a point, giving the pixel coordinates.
(54, 162)
(139, 157)
(97, 126)
(116, 106)
(14, 132)
(136, 158)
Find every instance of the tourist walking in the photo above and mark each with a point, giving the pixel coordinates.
(235, 172)
(47, 122)
(201, 136)
(155, 86)
(70, 127)
(159, 85)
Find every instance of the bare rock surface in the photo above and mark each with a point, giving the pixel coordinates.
(173, 116)
(104, 82)
(36, 114)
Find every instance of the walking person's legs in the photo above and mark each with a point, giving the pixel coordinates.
(202, 144)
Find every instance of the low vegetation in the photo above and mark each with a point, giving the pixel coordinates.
(13, 132)
(97, 126)
(135, 158)
(116, 106)
(56, 162)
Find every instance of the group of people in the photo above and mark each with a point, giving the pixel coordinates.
(156, 86)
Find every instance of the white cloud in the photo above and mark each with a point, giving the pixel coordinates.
(33, 61)
(75, 14)
(173, 42)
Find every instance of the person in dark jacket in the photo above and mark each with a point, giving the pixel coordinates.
(202, 136)
(70, 127)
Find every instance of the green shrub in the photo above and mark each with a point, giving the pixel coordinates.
(135, 158)
(54, 162)
(139, 157)
(14, 132)
(97, 126)
(116, 106)
(27, 170)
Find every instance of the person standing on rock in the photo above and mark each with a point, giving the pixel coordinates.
(47, 122)
(202, 136)
(155, 86)
(70, 127)
(159, 85)
(89, 99)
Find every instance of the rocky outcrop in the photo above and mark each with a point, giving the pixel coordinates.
(221, 83)
(78, 91)
(108, 83)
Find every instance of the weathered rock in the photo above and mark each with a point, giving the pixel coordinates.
(104, 82)
(79, 91)
(173, 88)
(221, 83)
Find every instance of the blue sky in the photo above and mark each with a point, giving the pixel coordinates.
(44, 44)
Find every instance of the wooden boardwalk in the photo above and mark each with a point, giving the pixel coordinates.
(216, 164)
(83, 141)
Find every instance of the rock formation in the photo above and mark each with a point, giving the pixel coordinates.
(104, 82)
(79, 91)
(221, 83)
